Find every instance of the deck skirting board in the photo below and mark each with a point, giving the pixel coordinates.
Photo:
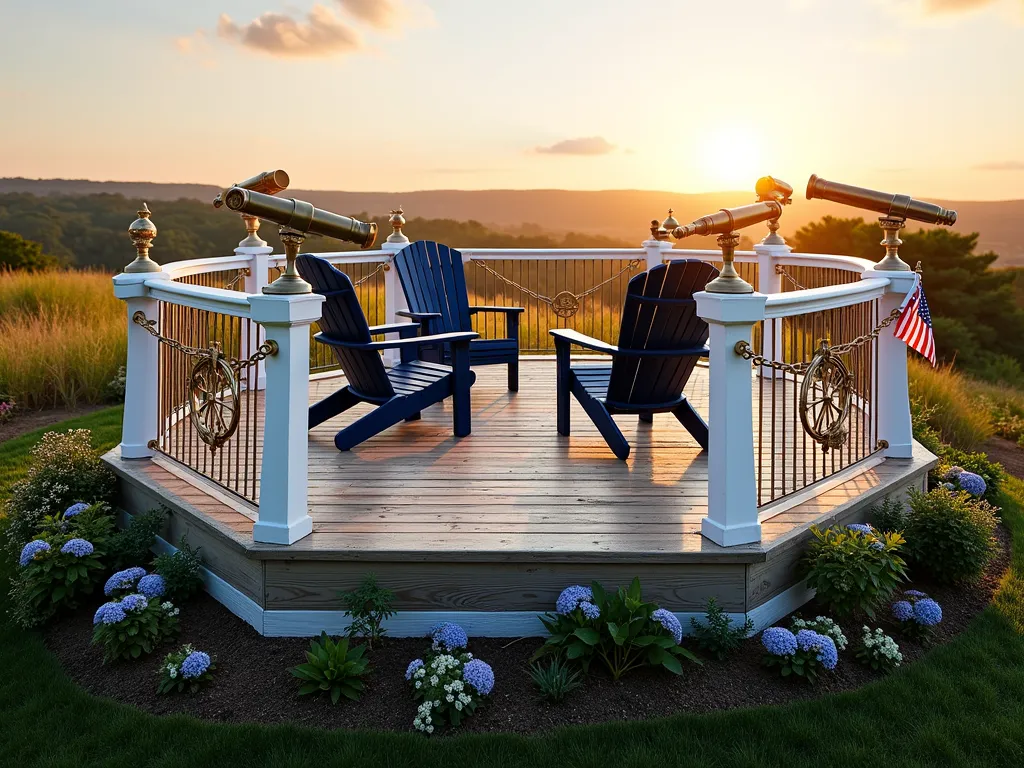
(783, 604)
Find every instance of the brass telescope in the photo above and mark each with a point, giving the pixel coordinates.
(895, 210)
(268, 182)
(296, 219)
(724, 223)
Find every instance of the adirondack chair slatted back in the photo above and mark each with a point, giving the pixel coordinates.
(434, 281)
(343, 319)
(660, 313)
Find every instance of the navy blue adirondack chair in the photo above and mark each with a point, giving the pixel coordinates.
(660, 340)
(400, 392)
(435, 287)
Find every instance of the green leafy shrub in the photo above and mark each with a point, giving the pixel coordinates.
(921, 417)
(619, 630)
(181, 571)
(94, 523)
(368, 607)
(890, 516)
(132, 546)
(852, 570)
(949, 535)
(332, 667)
(133, 626)
(556, 680)
(185, 669)
(63, 470)
(715, 635)
(991, 472)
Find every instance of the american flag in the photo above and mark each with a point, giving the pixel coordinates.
(915, 324)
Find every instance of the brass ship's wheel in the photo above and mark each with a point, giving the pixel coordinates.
(213, 396)
(825, 398)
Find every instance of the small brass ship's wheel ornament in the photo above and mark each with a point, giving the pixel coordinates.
(213, 397)
(825, 398)
(565, 304)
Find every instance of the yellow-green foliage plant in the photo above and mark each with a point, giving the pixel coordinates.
(63, 337)
(952, 408)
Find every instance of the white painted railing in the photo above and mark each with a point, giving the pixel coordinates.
(734, 490)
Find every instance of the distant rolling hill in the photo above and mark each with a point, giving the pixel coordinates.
(622, 214)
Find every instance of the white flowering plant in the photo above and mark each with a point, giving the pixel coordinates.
(822, 625)
(878, 651)
(449, 687)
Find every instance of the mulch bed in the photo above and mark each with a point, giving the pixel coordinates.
(252, 682)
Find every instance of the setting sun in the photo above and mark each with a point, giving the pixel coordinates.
(731, 157)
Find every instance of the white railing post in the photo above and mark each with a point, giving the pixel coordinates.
(394, 297)
(769, 281)
(732, 491)
(139, 424)
(657, 251)
(284, 508)
(893, 395)
(259, 276)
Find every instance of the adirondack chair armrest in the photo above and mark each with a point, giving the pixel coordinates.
(404, 330)
(506, 310)
(418, 316)
(567, 335)
(439, 338)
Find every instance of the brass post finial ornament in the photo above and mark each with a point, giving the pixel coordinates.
(770, 188)
(725, 224)
(670, 223)
(269, 183)
(397, 221)
(142, 231)
(895, 210)
(296, 219)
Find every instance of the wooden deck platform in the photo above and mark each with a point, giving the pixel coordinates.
(502, 520)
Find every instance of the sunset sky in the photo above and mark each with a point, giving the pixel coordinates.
(917, 96)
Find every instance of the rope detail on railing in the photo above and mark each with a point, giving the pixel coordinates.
(564, 303)
(212, 383)
(781, 270)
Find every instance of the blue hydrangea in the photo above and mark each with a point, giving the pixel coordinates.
(413, 666)
(448, 636)
(195, 665)
(123, 580)
(75, 509)
(78, 548)
(914, 593)
(779, 641)
(823, 645)
(972, 483)
(30, 550)
(112, 613)
(590, 610)
(571, 597)
(668, 620)
(480, 675)
(903, 610)
(134, 603)
(152, 585)
(98, 617)
(927, 612)
(861, 528)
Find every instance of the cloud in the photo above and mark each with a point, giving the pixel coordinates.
(590, 145)
(382, 14)
(1001, 165)
(938, 7)
(321, 34)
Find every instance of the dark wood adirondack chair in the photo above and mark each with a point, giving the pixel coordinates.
(400, 392)
(660, 341)
(435, 286)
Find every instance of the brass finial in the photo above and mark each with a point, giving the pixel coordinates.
(891, 262)
(252, 228)
(142, 231)
(397, 221)
(670, 223)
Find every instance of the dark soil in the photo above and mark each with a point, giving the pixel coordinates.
(252, 682)
(24, 421)
(1007, 453)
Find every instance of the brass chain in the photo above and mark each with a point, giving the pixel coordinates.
(547, 299)
(382, 267)
(744, 350)
(265, 350)
(243, 272)
(781, 270)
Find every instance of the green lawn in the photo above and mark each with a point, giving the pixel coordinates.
(962, 705)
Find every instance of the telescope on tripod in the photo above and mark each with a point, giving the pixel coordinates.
(895, 210)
